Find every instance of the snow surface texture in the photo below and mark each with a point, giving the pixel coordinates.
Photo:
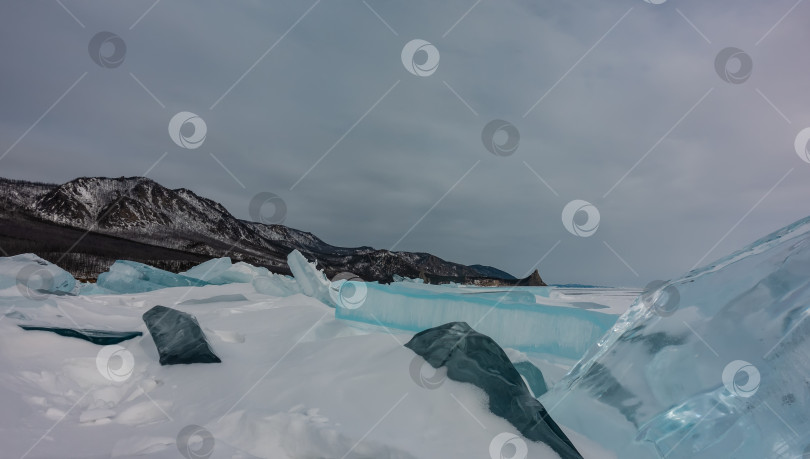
(715, 364)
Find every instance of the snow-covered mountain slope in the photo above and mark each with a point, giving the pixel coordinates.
(139, 209)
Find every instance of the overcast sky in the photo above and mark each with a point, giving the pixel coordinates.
(621, 104)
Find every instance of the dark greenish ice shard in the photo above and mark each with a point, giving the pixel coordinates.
(477, 359)
(178, 337)
(102, 337)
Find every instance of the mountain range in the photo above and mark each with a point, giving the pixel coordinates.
(86, 224)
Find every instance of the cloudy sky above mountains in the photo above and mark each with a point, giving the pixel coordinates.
(622, 104)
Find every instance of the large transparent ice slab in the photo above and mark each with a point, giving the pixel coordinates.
(714, 364)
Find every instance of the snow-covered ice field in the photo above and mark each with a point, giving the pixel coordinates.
(294, 382)
(713, 364)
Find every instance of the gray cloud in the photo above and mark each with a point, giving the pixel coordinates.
(382, 177)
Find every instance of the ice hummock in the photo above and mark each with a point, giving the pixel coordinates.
(220, 271)
(132, 277)
(560, 326)
(512, 317)
(310, 279)
(529, 319)
(35, 278)
(398, 278)
(724, 373)
(307, 279)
